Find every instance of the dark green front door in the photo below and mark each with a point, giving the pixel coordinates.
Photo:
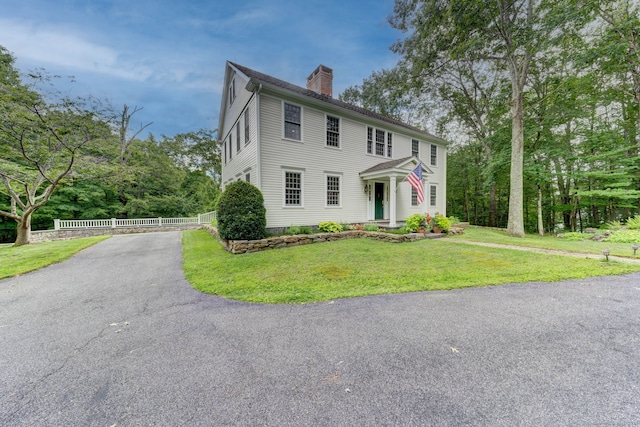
(379, 194)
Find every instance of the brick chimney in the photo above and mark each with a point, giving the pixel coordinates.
(321, 81)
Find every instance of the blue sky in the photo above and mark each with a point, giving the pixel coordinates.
(168, 56)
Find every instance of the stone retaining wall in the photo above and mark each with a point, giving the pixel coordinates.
(247, 246)
(48, 235)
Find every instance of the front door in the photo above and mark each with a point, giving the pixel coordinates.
(379, 193)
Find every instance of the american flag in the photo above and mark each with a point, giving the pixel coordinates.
(415, 179)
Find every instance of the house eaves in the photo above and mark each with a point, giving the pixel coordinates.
(280, 87)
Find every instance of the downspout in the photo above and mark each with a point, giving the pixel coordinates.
(258, 150)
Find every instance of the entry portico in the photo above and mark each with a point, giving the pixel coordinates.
(381, 183)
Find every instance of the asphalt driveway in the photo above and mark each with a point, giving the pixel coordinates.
(116, 337)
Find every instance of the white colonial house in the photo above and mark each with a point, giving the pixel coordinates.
(316, 158)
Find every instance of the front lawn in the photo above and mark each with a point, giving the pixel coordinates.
(20, 260)
(479, 234)
(359, 267)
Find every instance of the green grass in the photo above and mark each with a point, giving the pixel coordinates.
(479, 234)
(358, 267)
(22, 259)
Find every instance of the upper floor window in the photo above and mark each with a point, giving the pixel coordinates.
(292, 188)
(434, 155)
(415, 148)
(224, 151)
(246, 127)
(379, 142)
(333, 131)
(232, 91)
(292, 121)
(333, 190)
(238, 148)
(230, 147)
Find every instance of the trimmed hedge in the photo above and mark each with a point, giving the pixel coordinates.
(241, 213)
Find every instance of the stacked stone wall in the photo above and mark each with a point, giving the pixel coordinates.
(248, 246)
(48, 235)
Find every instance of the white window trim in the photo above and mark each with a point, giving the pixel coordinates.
(284, 187)
(326, 190)
(284, 135)
(326, 140)
(437, 194)
(247, 127)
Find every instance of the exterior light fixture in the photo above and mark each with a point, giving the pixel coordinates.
(606, 253)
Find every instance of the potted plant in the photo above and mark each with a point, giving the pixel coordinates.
(440, 224)
(415, 223)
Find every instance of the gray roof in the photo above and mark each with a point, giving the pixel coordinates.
(264, 78)
(386, 165)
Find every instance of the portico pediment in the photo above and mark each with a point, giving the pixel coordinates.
(398, 167)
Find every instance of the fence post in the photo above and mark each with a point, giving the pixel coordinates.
(113, 223)
(199, 219)
(160, 222)
(56, 224)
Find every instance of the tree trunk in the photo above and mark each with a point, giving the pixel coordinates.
(540, 221)
(493, 205)
(24, 231)
(515, 223)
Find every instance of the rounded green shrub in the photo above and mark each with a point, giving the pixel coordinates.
(330, 227)
(241, 213)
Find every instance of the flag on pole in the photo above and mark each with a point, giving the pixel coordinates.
(415, 179)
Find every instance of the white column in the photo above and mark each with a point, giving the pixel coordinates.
(392, 201)
(56, 224)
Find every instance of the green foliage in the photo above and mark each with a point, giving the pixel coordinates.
(415, 221)
(576, 236)
(614, 225)
(454, 219)
(624, 236)
(329, 227)
(294, 229)
(241, 213)
(634, 223)
(441, 221)
(371, 227)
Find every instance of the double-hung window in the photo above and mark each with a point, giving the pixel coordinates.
(379, 142)
(292, 122)
(415, 148)
(333, 190)
(333, 132)
(433, 195)
(230, 147)
(414, 197)
(232, 91)
(246, 127)
(434, 155)
(238, 147)
(292, 188)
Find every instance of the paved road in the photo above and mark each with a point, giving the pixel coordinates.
(116, 337)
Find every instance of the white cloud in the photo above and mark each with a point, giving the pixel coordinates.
(48, 47)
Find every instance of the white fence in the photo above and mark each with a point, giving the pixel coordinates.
(79, 224)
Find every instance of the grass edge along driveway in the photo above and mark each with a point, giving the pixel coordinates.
(361, 267)
(23, 259)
